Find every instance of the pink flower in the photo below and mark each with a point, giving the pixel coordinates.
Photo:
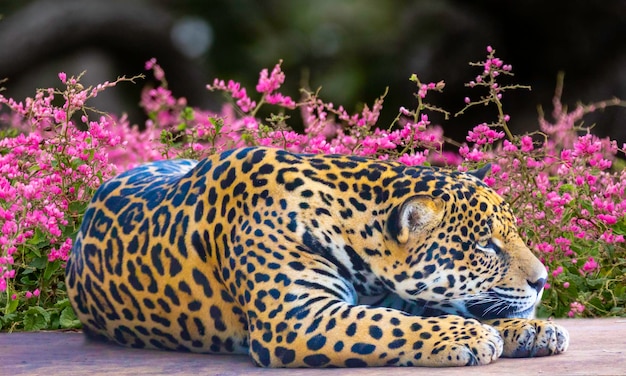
(590, 265)
(566, 198)
(545, 247)
(425, 88)
(156, 69)
(281, 100)
(587, 145)
(415, 159)
(473, 155)
(508, 146)
(527, 144)
(482, 134)
(237, 92)
(557, 271)
(150, 63)
(269, 83)
(611, 238)
(607, 219)
(62, 252)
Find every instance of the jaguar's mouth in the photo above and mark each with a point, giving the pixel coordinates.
(492, 305)
(488, 311)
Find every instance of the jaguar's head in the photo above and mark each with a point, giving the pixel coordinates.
(457, 249)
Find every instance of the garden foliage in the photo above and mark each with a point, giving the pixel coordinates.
(566, 186)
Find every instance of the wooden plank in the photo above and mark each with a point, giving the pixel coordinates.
(598, 347)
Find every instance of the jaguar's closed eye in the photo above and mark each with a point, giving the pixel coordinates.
(488, 246)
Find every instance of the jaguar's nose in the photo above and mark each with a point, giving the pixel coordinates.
(538, 284)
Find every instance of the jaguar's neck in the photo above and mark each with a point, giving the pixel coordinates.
(348, 261)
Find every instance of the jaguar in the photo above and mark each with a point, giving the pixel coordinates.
(305, 260)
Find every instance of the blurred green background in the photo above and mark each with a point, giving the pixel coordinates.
(352, 49)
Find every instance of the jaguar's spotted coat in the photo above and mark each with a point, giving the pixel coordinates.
(309, 260)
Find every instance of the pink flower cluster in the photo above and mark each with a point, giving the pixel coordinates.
(576, 308)
(483, 134)
(551, 207)
(237, 92)
(43, 172)
(569, 203)
(494, 62)
(269, 83)
(583, 176)
(267, 86)
(35, 293)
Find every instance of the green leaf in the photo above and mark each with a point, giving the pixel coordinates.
(62, 303)
(620, 227)
(71, 232)
(39, 262)
(77, 207)
(187, 114)
(595, 302)
(77, 162)
(29, 278)
(217, 123)
(50, 269)
(12, 306)
(544, 312)
(38, 239)
(36, 318)
(587, 205)
(166, 137)
(566, 188)
(34, 249)
(68, 319)
(596, 282)
(617, 311)
(6, 321)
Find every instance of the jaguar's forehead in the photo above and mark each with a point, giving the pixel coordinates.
(491, 210)
(467, 197)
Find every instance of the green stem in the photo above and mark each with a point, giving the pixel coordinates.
(494, 95)
(258, 106)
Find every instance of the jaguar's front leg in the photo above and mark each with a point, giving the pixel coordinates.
(304, 317)
(525, 338)
(331, 333)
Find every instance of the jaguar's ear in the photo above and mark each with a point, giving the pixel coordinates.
(481, 172)
(416, 216)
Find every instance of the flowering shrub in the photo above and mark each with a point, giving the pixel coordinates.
(568, 200)
(49, 170)
(560, 180)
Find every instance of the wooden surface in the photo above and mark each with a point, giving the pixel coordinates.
(598, 347)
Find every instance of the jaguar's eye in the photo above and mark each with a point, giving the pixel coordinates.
(487, 246)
